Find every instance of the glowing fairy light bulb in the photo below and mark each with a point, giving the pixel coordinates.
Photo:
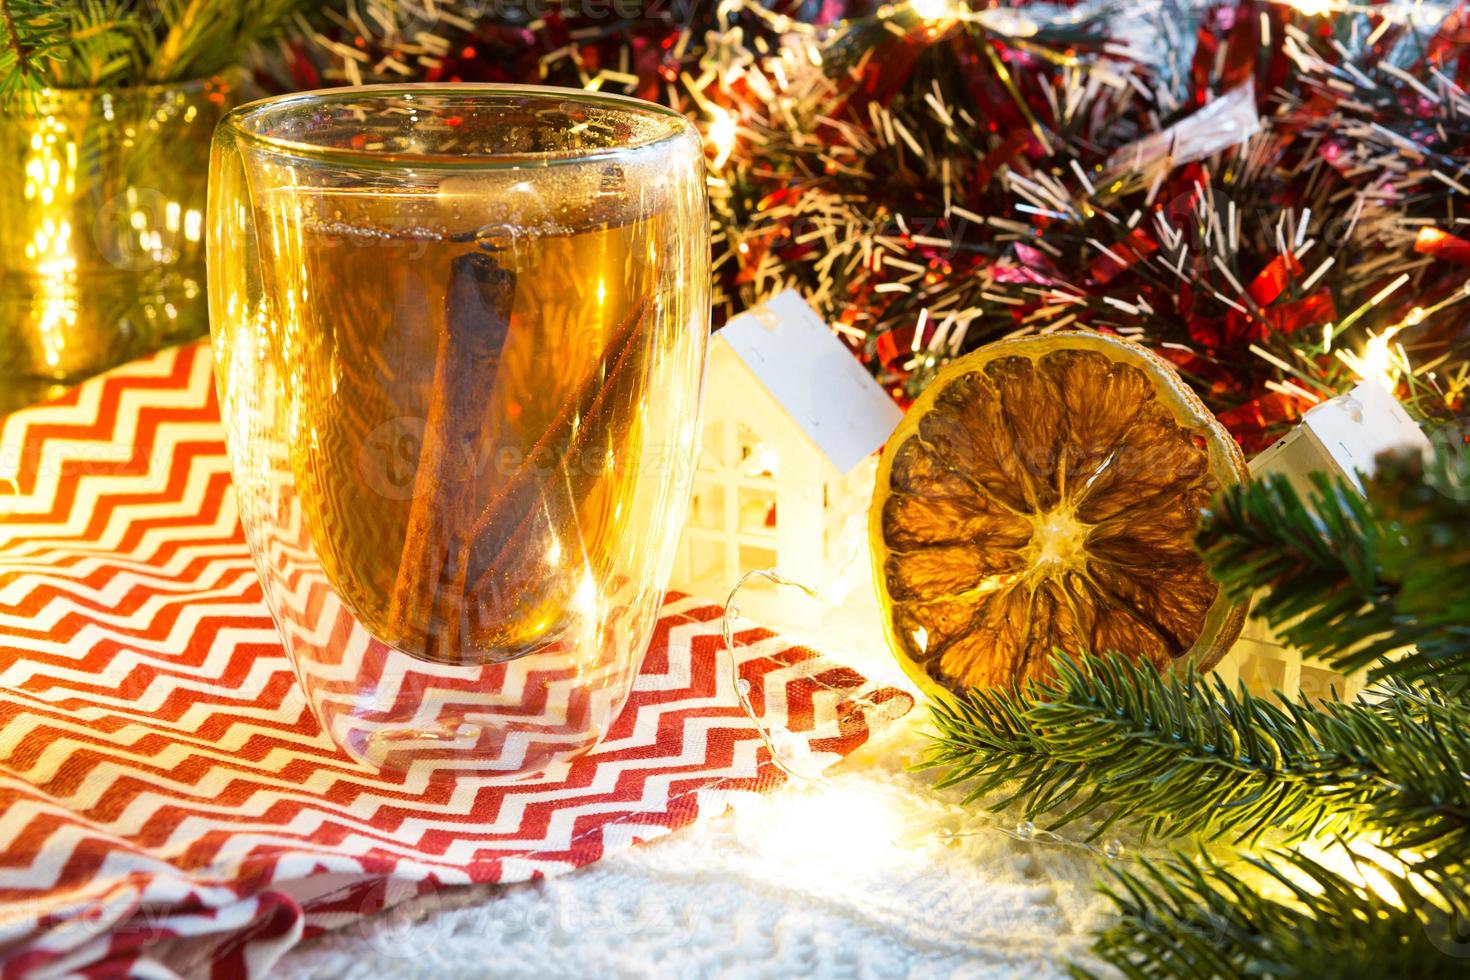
(935, 9)
(721, 135)
(1312, 8)
(1381, 359)
(841, 833)
(1376, 363)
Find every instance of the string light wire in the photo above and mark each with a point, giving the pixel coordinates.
(792, 756)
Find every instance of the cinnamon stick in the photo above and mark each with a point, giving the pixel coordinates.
(579, 416)
(427, 606)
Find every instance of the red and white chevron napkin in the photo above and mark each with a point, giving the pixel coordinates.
(168, 804)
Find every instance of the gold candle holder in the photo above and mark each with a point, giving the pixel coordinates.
(102, 196)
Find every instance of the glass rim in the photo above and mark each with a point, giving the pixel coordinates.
(234, 122)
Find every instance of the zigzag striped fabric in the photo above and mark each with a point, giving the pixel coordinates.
(169, 805)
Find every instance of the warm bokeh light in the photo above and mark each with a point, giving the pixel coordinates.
(50, 169)
(836, 831)
(936, 9)
(1360, 872)
(721, 136)
(1381, 359)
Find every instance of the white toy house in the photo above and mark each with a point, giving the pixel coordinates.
(785, 474)
(1343, 436)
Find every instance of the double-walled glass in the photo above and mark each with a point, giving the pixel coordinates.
(458, 333)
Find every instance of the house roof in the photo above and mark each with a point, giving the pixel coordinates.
(814, 377)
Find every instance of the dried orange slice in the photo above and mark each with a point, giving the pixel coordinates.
(1042, 494)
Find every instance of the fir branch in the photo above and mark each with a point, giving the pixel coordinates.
(1108, 731)
(203, 37)
(1179, 755)
(1350, 580)
(13, 41)
(1425, 512)
(32, 32)
(185, 23)
(1317, 565)
(1183, 918)
(123, 43)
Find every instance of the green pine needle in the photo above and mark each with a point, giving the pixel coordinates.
(1182, 918)
(1375, 581)
(1351, 581)
(1177, 754)
(1425, 513)
(69, 44)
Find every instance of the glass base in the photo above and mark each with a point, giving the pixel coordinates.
(456, 747)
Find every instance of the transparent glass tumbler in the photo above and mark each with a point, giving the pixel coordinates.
(458, 336)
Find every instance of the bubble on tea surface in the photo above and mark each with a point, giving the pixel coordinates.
(495, 237)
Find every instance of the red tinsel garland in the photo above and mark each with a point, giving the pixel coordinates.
(979, 172)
